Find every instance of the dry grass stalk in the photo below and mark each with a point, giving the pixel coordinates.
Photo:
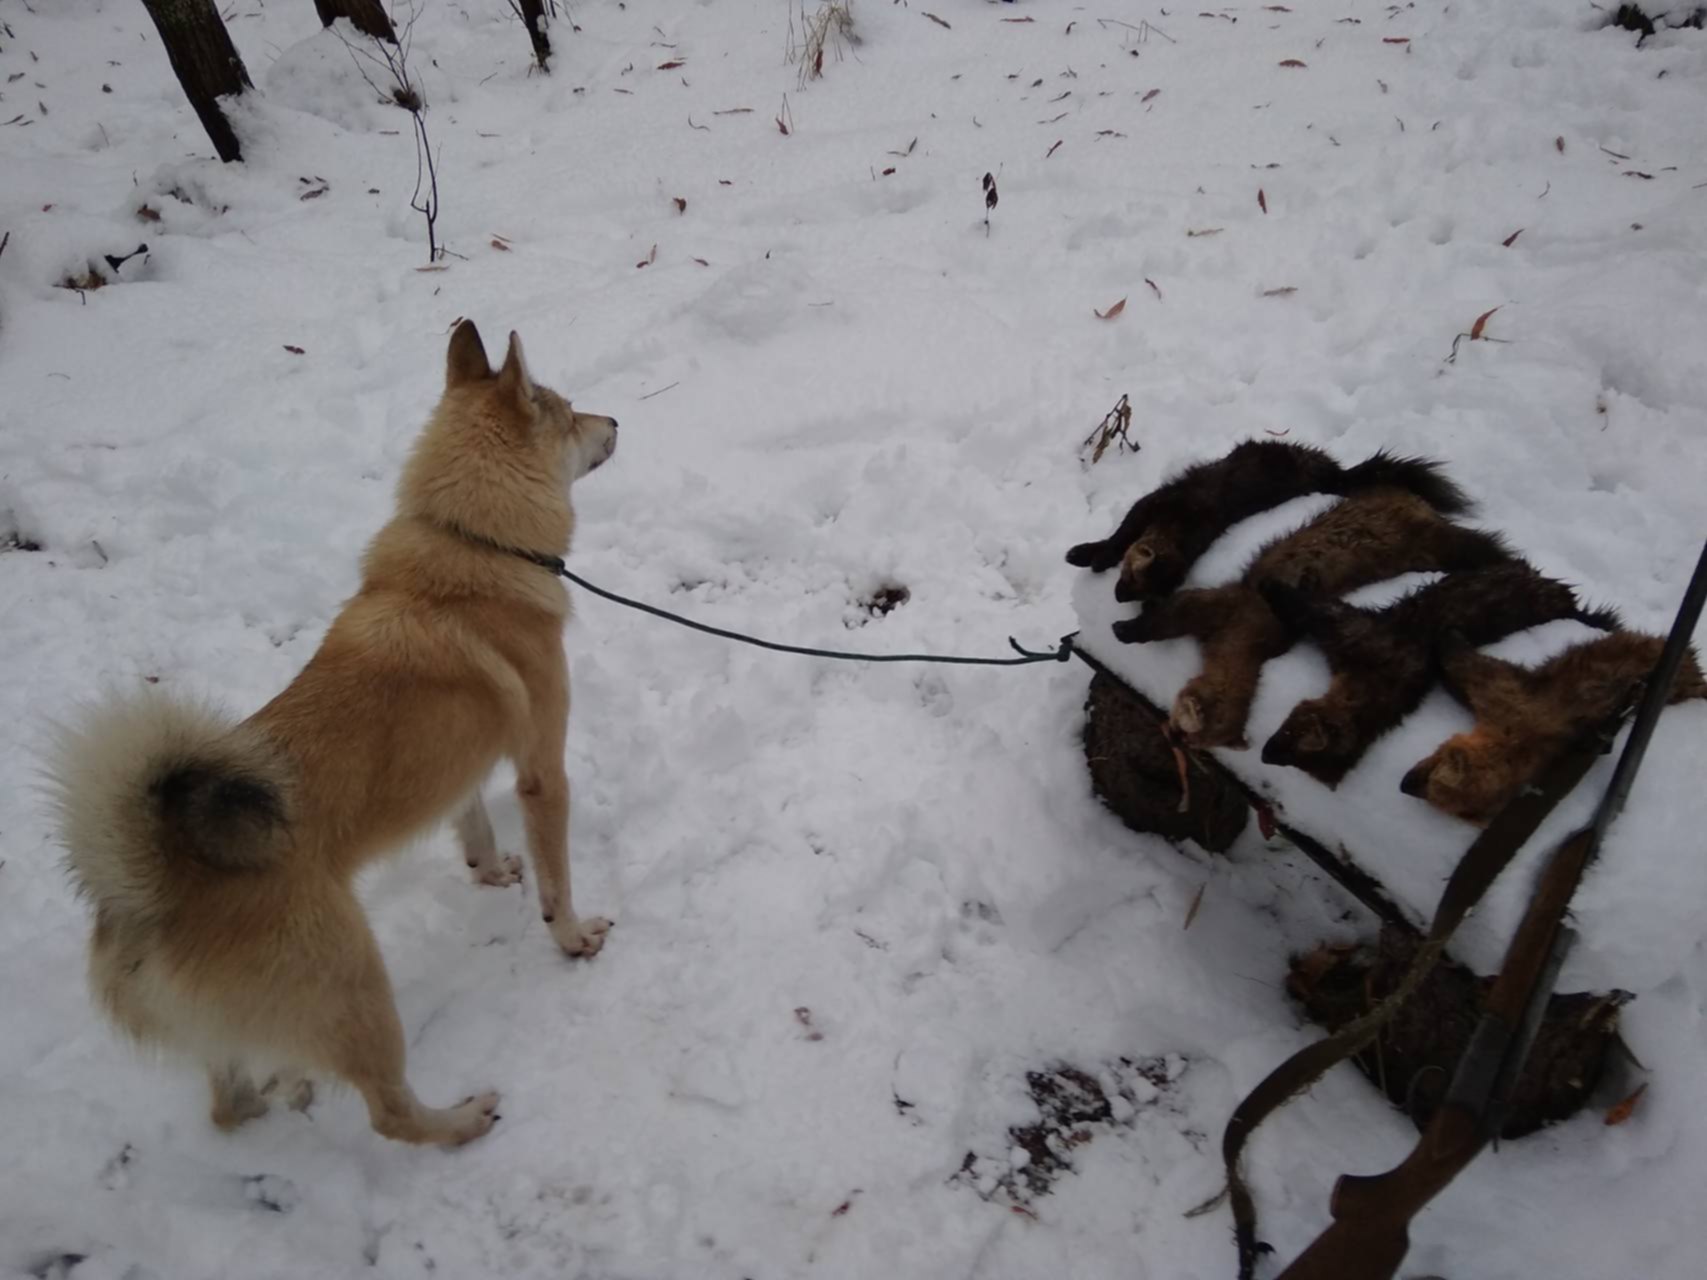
(832, 27)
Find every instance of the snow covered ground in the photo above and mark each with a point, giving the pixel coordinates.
(831, 380)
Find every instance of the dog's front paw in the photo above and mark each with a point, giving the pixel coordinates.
(581, 937)
(500, 873)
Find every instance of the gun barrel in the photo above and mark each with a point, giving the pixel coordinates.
(1654, 698)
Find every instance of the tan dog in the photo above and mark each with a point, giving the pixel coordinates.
(220, 856)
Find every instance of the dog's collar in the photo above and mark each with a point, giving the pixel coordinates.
(543, 559)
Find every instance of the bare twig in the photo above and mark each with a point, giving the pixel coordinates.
(1111, 430)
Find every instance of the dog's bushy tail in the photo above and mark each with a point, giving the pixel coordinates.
(150, 790)
(1420, 476)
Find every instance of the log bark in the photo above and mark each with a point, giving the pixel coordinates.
(367, 16)
(1134, 772)
(1413, 1061)
(206, 63)
(533, 18)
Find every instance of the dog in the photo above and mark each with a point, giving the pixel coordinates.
(219, 856)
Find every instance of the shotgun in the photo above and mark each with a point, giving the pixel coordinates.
(1370, 1232)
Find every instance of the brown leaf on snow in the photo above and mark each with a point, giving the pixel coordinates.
(295, 351)
(672, 64)
(1277, 8)
(1149, 95)
(939, 22)
(1285, 291)
(1155, 286)
(649, 259)
(702, 262)
(1262, 200)
(1512, 238)
(1294, 62)
(1019, 19)
(1053, 149)
(1205, 231)
(1395, 39)
(148, 214)
(1627, 1108)
(1113, 311)
(1559, 144)
(499, 244)
(681, 204)
(1481, 323)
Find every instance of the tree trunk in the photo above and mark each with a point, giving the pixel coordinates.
(368, 16)
(533, 18)
(206, 64)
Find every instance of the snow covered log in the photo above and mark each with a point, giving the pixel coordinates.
(1638, 915)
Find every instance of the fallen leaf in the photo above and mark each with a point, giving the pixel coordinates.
(1262, 200)
(888, 171)
(1053, 149)
(1294, 62)
(148, 214)
(1154, 286)
(1559, 144)
(672, 64)
(1285, 291)
(649, 259)
(1481, 323)
(1395, 39)
(1637, 173)
(1113, 311)
(1149, 95)
(1206, 231)
(702, 262)
(681, 204)
(1512, 238)
(439, 266)
(1265, 816)
(499, 244)
(939, 22)
(1627, 1108)
(314, 194)
(295, 351)
(1019, 19)
(1277, 8)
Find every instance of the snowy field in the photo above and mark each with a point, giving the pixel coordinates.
(855, 906)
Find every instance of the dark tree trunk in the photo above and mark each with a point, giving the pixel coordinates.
(206, 64)
(533, 18)
(369, 17)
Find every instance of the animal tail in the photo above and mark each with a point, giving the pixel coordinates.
(1420, 476)
(149, 790)
(1601, 618)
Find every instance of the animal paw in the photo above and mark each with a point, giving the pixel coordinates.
(501, 873)
(581, 937)
(472, 1118)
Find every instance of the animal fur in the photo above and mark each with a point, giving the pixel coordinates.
(219, 855)
(1365, 538)
(1383, 662)
(1526, 715)
(1170, 528)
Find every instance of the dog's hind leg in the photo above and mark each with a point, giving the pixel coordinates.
(359, 1038)
(235, 1097)
(480, 847)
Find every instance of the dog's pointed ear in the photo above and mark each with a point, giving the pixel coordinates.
(513, 380)
(465, 362)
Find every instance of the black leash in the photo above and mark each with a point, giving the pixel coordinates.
(1060, 653)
